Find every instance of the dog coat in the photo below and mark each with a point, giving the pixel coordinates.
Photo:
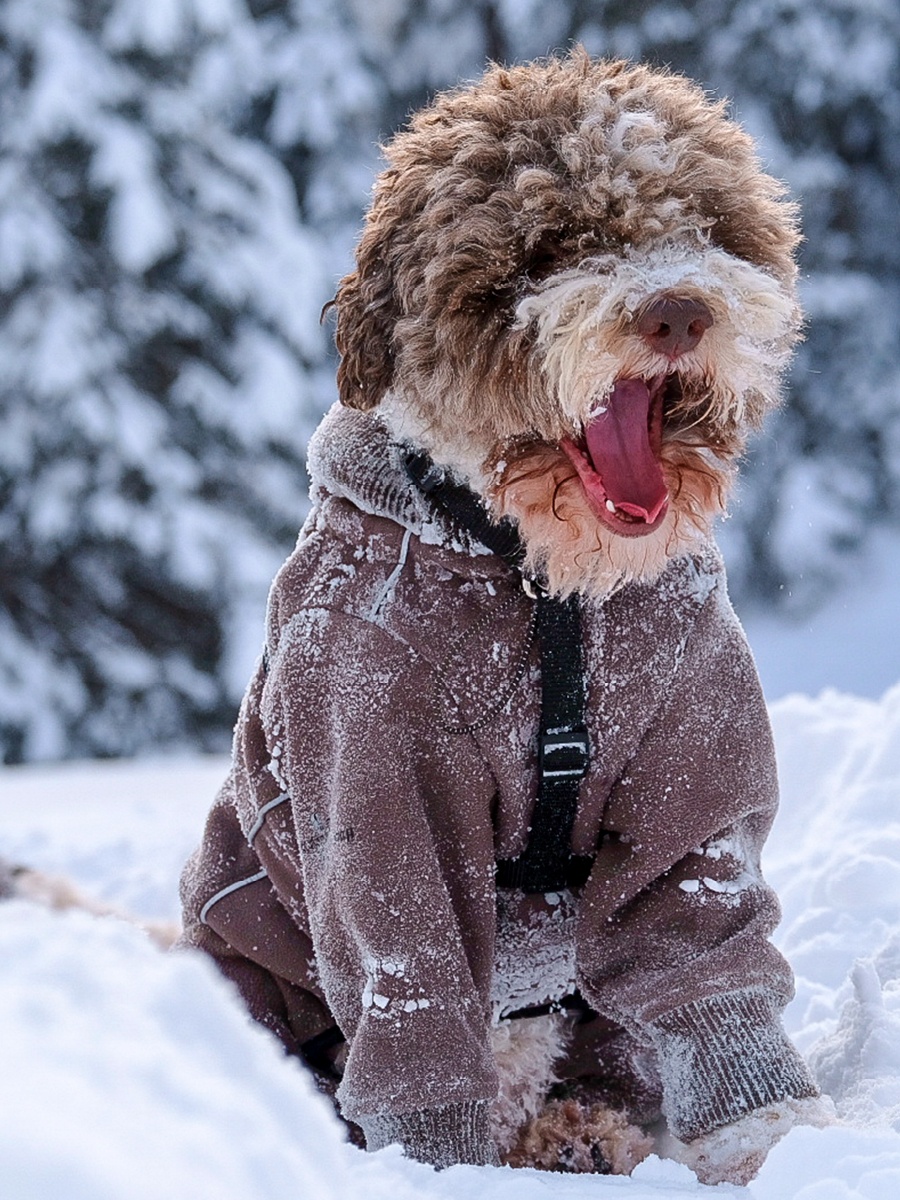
(384, 761)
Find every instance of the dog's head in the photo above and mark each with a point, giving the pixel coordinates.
(576, 287)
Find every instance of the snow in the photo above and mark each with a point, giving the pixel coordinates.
(129, 1074)
(849, 643)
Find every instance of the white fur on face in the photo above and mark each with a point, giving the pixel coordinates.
(586, 340)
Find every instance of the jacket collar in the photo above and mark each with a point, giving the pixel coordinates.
(353, 456)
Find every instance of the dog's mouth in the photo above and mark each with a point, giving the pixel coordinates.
(617, 457)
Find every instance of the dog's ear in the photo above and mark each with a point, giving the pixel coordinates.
(366, 316)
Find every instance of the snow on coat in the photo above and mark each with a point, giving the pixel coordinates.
(346, 875)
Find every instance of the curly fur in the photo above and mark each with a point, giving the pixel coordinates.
(578, 1134)
(526, 1052)
(521, 228)
(569, 1137)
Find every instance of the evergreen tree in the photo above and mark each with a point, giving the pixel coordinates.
(160, 354)
(181, 184)
(819, 84)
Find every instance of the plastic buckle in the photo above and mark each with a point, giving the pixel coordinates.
(532, 589)
(564, 755)
(432, 479)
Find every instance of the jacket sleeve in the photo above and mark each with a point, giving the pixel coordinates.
(674, 941)
(393, 875)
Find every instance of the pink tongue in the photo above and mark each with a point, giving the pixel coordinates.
(618, 443)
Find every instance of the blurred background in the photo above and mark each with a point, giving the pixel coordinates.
(181, 186)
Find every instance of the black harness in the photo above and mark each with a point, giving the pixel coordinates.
(547, 863)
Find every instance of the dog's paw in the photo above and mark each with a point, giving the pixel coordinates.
(735, 1153)
(567, 1136)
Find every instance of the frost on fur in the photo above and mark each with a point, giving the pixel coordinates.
(526, 1052)
(585, 339)
(734, 1153)
(555, 1135)
(569, 1137)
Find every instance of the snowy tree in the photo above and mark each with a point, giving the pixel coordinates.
(819, 84)
(160, 352)
(181, 184)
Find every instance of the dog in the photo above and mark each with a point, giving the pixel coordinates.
(574, 297)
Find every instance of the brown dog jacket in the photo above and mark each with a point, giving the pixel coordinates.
(384, 760)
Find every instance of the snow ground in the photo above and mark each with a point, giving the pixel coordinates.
(128, 1074)
(850, 643)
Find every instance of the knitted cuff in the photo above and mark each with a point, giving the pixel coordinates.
(723, 1057)
(443, 1136)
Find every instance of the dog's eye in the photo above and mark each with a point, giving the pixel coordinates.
(557, 249)
(539, 268)
(543, 257)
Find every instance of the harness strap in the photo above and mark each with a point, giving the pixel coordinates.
(464, 509)
(547, 863)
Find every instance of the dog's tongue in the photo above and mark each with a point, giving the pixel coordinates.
(622, 453)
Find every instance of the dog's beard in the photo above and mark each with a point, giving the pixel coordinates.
(590, 387)
(538, 485)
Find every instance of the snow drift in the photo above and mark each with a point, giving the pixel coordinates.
(127, 1074)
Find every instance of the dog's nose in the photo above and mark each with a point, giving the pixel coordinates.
(673, 325)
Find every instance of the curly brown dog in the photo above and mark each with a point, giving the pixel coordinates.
(574, 296)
